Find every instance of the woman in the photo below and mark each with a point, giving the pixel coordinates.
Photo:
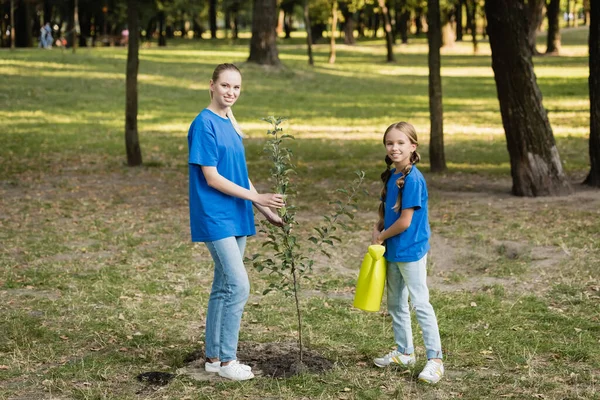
(221, 198)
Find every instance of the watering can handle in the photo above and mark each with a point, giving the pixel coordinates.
(376, 251)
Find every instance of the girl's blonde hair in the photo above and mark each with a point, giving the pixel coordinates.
(415, 157)
(215, 77)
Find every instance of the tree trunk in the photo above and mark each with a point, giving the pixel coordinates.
(349, 26)
(535, 16)
(75, 25)
(263, 45)
(162, 40)
(212, 17)
(459, 20)
(418, 21)
(553, 39)
(132, 144)
(12, 24)
(389, 40)
(473, 24)
(404, 19)
(436, 112)
(23, 25)
(593, 178)
(334, 19)
(536, 168)
(308, 33)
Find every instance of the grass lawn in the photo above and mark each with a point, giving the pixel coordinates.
(99, 281)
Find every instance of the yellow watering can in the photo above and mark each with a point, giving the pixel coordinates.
(371, 279)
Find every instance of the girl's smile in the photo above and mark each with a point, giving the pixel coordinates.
(399, 148)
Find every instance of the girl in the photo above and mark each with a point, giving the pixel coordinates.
(221, 198)
(404, 227)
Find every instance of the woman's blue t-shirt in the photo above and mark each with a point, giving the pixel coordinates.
(412, 244)
(213, 142)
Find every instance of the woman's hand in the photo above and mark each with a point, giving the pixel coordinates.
(274, 219)
(270, 200)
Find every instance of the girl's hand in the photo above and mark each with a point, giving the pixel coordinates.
(270, 200)
(375, 239)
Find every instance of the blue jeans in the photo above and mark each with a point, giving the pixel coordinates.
(230, 291)
(404, 279)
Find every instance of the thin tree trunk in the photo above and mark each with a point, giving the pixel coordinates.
(593, 178)
(75, 25)
(404, 20)
(553, 39)
(389, 40)
(334, 19)
(308, 33)
(473, 24)
(298, 312)
(263, 45)
(535, 16)
(212, 13)
(12, 24)
(418, 21)
(536, 168)
(162, 40)
(436, 112)
(459, 20)
(132, 144)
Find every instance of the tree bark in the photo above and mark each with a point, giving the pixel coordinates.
(12, 24)
(459, 20)
(553, 39)
(22, 25)
(334, 19)
(263, 45)
(132, 144)
(212, 17)
(535, 16)
(593, 178)
(389, 39)
(473, 23)
(536, 168)
(349, 24)
(162, 40)
(308, 33)
(75, 25)
(436, 112)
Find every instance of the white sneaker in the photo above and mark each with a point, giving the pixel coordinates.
(236, 371)
(216, 366)
(395, 357)
(212, 366)
(432, 373)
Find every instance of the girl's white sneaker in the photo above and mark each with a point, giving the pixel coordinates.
(395, 357)
(236, 371)
(432, 373)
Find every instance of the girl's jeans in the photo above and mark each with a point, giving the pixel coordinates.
(404, 278)
(230, 291)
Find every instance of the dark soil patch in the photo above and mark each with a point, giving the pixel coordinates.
(277, 360)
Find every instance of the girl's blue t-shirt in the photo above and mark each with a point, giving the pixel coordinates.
(412, 244)
(213, 142)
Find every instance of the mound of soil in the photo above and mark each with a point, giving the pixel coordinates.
(277, 360)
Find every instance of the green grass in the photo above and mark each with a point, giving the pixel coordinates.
(98, 280)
